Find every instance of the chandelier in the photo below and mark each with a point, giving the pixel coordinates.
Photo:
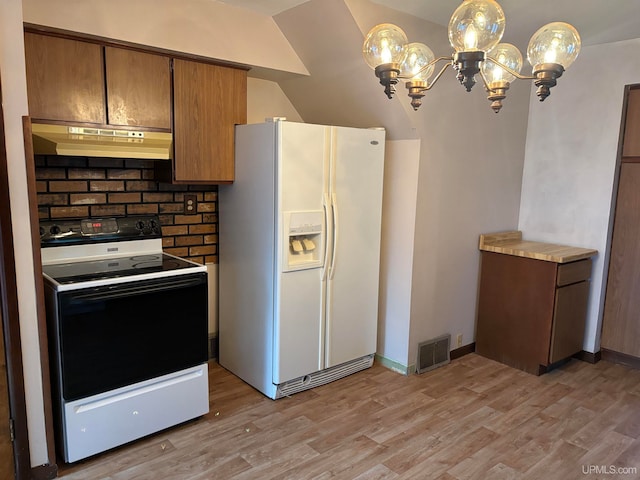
(475, 31)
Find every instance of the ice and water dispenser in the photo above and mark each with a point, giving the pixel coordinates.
(303, 240)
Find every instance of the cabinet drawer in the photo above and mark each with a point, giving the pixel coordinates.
(573, 272)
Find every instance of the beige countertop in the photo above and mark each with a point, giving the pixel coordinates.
(511, 243)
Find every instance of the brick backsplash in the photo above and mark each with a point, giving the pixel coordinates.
(77, 187)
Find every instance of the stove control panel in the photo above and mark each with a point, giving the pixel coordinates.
(99, 226)
(93, 230)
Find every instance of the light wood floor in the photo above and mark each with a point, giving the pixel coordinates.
(472, 419)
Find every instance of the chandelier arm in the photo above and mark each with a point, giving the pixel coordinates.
(516, 74)
(428, 65)
(437, 77)
(486, 82)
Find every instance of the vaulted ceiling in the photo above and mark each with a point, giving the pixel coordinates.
(598, 21)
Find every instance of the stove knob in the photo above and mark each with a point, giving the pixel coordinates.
(140, 225)
(42, 232)
(54, 230)
(153, 225)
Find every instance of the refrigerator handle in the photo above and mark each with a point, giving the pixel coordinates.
(334, 210)
(328, 234)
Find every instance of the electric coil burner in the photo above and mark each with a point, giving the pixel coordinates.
(127, 327)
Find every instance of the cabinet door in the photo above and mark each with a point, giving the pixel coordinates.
(515, 310)
(631, 141)
(138, 89)
(209, 100)
(569, 316)
(620, 325)
(65, 79)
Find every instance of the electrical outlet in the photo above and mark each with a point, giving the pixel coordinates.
(190, 204)
(459, 340)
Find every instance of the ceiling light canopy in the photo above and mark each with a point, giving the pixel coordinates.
(475, 30)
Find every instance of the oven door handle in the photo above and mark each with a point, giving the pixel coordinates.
(119, 290)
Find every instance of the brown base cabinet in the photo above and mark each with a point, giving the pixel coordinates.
(531, 313)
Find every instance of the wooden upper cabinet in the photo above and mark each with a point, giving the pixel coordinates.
(83, 82)
(65, 79)
(631, 145)
(77, 82)
(209, 100)
(138, 89)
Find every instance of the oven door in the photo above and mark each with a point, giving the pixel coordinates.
(111, 336)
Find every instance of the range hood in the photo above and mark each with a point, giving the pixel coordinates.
(100, 142)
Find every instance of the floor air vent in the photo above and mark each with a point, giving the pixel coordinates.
(433, 353)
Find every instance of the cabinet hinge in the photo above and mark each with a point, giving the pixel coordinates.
(12, 434)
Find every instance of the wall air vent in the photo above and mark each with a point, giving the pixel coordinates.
(433, 353)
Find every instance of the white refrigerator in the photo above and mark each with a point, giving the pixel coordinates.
(299, 249)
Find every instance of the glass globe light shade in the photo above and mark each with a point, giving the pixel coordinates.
(417, 57)
(556, 42)
(476, 25)
(384, 44)
(507, 55)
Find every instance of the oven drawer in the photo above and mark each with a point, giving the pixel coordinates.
(104, 421)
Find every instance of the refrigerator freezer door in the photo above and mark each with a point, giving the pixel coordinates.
(298, 323)
(352, 291)
(247, 265)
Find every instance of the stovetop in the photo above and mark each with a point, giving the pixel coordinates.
(91, 270)
(99, 251)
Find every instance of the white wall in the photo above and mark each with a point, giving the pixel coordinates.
(571, 158)
(14, 103)
(470, 177)
(401, 170)
(265, 99)
(470, 174)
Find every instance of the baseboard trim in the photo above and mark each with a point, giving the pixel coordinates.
(462, 351)
(621, 358)
(588, 356)
(395, 366)
(47, 471)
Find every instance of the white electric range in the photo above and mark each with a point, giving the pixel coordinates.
(127, 328)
